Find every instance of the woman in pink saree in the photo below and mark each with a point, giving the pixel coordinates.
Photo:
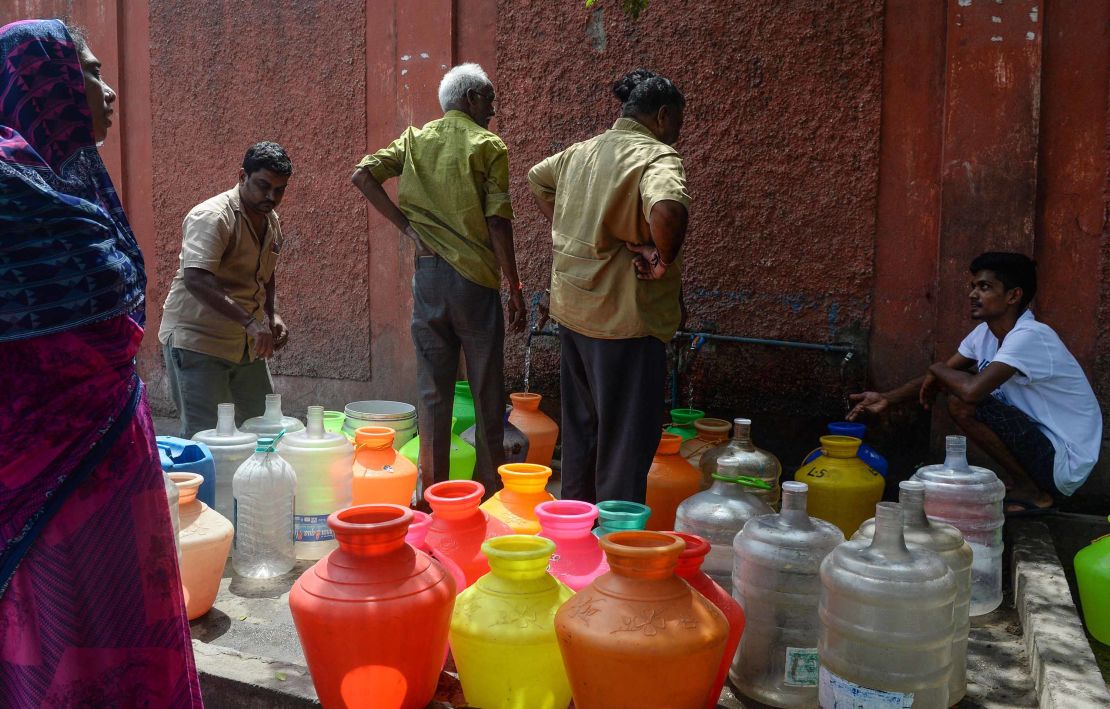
(91, 607)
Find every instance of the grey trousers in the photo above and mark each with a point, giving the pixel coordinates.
(449, 312)
(612, 411)
(200, 382)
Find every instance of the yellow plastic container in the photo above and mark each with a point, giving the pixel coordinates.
(503, 633)
(842, 489)
(515, 505)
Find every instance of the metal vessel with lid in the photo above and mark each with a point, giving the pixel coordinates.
(970, 499)
(776, 580)
(886, 621)
(719, 513)
(947, 541)
(398, 415)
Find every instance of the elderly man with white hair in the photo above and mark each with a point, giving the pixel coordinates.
(453, 202)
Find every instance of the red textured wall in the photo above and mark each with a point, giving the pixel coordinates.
(780, 144)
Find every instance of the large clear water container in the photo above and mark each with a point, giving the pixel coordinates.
(323, 462)
(970, 499)
(776, 580)
(719, 513)
(272, 421)
(230, 448)
(946, 540)
(754, 461)
(265, 490)
(886, 621)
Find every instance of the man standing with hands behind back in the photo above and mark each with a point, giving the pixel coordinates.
(219, 324)
(453, 203)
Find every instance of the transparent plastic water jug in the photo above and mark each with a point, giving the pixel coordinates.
(754, 462)
(323, 462)
(776, 580)
(970, 499)
(272, 422)
(886, 621)
(946, 540)
(265, 490)
(230, 447)
(719, 513)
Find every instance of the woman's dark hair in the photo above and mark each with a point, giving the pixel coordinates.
(267, 156)
(644, 92)
(78, 34)
(1014, 270)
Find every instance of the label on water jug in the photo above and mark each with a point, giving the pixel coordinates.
(312, 528)
(801, 667)
(838, 693)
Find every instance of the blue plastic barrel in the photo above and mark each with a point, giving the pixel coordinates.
(179, 455)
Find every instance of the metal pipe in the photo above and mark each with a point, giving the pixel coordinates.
(794, 344)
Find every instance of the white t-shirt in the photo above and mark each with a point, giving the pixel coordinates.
(1050, 388)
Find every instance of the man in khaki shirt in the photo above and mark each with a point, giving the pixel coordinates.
(218, 324)
(453, 202)
(618, 209)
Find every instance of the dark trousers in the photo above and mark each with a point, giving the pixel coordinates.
(449, 312)
(612, 393)
(199, 383)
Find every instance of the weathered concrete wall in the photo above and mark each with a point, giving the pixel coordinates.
(781, 145)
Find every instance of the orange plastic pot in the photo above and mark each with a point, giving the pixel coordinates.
(670, 481)
(689, 570)
(540, 430)
(639, 636)
(459, 527)
(416, 536)
(515, 504)
(381, 474)
(374, 614)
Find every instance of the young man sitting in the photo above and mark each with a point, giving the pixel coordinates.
(1014, 389)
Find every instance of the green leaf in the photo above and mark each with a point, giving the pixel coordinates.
(280, 676)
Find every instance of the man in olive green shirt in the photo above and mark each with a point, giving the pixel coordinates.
(618, 208)
(453, 202)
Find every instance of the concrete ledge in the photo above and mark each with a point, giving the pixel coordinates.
(229, 679)
(1064, 668)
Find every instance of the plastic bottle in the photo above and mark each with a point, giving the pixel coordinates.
(205, 540)
(272, 422)
(179, 455)
(776, 580)
(459, 527)
(540, 429)
(886, 621)
(461, 456)
(503, 632)
(970, 499)
(639, 636)
(870, 457)
(515, 504)
(229, 447)
(842, 489)
(670, 480)
(620, 516)
(682, 423)
(265, 490)
(754, 462)
(323, 462)
(708, 434)
(462, 408)
(689, 570)
(578, 558)
(373, 615)
(719, 513)
(946, 540)
(1092, 575)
